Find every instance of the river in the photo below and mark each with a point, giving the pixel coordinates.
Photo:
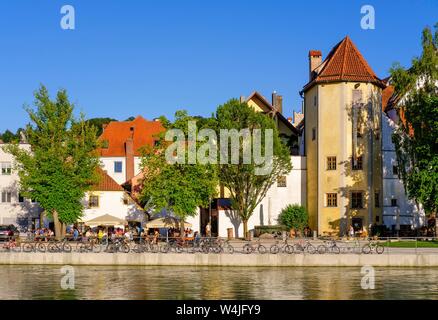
(137, 283)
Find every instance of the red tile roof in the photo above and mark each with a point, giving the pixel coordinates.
(106, 183)
(117, 133)
(387, 93)
(344, 63)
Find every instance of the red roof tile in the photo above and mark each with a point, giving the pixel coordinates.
(344, 63)
(117, 133)
(106, 183)
(387, 93)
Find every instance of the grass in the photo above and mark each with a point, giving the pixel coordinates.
(410, 244)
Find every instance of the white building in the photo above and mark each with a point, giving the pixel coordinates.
(108, 198)
(14, 209)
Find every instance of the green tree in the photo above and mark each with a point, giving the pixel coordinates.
(98, 123)
(416, 139)
(62, 163)
(8, 137)
(179, 188)
(294, 217)
(246, 188)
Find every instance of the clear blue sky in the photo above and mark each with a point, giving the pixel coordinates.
(154, 57)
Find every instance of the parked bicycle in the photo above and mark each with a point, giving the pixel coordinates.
(304, 246)
(373, 247)
(90, 246)
(284, 247)
(58, 246)
(329, 247)
(225, 246)
(351, 247)
(250, 247)
(118, 245)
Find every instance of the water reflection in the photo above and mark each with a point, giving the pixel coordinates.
(135, 283)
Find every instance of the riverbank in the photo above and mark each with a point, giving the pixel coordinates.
(222, 260)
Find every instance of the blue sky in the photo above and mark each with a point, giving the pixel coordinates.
(154, 57)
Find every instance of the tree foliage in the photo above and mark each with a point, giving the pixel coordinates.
(246, 188)
(178, 188)
(416, 138)
(294, 217)
(98, 123)
(62, 162)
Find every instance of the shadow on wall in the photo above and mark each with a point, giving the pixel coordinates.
(235, 221)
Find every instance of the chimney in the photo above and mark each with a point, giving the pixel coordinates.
(315, 59)
(277, 102)
(242, 99)
(129, 152)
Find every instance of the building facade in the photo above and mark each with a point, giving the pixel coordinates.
(342, 103)
(14, 208)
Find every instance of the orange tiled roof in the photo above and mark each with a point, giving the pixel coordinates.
(106, 183)
(387, 93)
(117, 133)
(344, 63)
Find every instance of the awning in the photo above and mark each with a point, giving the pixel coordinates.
(167, 222)
(106, 220)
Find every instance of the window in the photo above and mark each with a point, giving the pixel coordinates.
(356, 200)
(6, 196)
(118, 166)
(313, 133)
(377, 199)
(377, 219)
(394, 170)
(331, 163)
(281, 182)
(20, 198)
(6, 168)
(393, 202)
(93, 201)
(332, 199)
(359, 163)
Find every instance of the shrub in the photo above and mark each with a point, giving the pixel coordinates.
(294, 217)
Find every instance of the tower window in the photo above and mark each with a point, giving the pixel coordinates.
(331, 163)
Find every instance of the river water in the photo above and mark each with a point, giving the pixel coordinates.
(137, 283)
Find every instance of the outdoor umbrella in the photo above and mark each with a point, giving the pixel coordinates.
(106, 220)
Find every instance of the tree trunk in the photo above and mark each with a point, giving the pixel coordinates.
(182, 230)
(57, 224)
(245, 229)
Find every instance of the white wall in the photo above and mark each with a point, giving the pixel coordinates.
(108, 165)
(19, 214)
(111, 202)
(268, 210)
(393, 187)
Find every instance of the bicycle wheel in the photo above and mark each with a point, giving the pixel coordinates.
(322, 249)
(335, 250)
(247, 248)
(261, 249)
(380, 249)
(52, 248)
(125, 248)
(165, 248)
(138, 248)
(41, 247)
(179, 249)
(66, 247)
(229, 249)
(28, 247)
(311, 249)
(274, 249)
(96, 248)
(289, 249)
(111, 248)
(154, 248)
(366, 249)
